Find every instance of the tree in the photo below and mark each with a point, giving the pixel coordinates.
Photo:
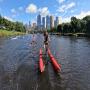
(59, 28)
(74, 23)
(87, 20)
(83, 26)
(18, 26)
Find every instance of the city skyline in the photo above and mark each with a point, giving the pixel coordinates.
(27, 10)
(47, 22)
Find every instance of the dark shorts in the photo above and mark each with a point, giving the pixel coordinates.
(46, 42)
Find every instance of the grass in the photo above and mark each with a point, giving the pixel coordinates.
(5, 33)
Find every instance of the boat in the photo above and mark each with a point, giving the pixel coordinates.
(54, 62)
(41, 63)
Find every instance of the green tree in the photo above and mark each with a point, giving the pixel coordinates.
(87, 19)
(74, 23)
(59, 28)
(83, 26)
(19, 27)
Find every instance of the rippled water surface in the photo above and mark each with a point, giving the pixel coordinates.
(19, 63)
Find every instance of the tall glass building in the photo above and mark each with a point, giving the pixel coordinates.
(43, 22)
(39, 21)
(51, 22)
(57, 21)
(47, 22)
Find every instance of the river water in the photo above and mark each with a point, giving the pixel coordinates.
(19, 63)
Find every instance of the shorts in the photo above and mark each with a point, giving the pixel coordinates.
(46, 42)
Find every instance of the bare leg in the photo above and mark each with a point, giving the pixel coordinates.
(46, 49)
(46, 52)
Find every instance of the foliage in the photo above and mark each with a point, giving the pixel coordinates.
(75, 26)
(12, 26)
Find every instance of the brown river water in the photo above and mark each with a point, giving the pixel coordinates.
(19, 60)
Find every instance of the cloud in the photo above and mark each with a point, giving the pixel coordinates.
(67, 19)
(14, 15)
(64, 8)
(16, 12)
(72, 11)
(44, 11)
(82, 14)
(56, 14)
(70, 5)
(31, 8)
(79, 16)
(8, 18)
(13, 11)
(20, 8)
(60, 1)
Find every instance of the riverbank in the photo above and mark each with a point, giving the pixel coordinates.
(72, 34)
(5, 33)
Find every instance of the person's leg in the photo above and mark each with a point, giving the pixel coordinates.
(46, 48)
(46, 55)
(44, 45)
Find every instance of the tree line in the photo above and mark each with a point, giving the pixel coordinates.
(12, 26)
(75, 26)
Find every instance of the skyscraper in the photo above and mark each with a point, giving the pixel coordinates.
(39, 21)
(59, 20)
(47, 22)
(51, 22)
(55, 23)
(43, 22)
(34, 25)
(29, 24)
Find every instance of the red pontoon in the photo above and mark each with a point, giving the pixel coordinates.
(55, 64)
(41, 63)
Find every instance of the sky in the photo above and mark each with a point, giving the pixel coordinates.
(27, 10)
